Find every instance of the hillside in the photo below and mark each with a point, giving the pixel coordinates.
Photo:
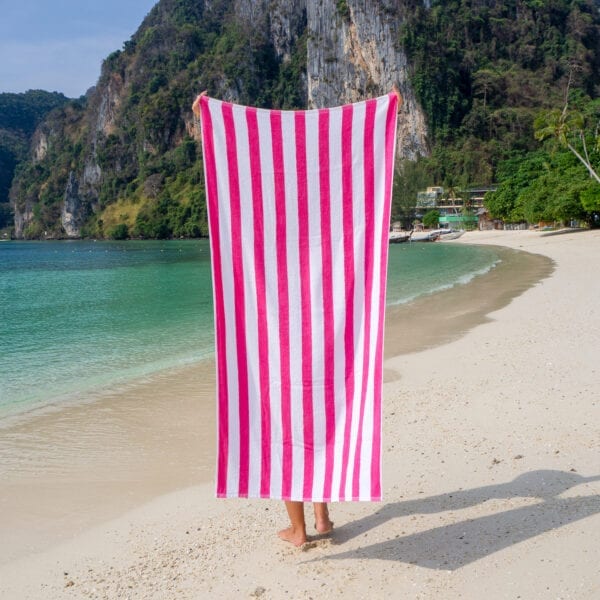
(126, 162)
(483, 72)
(474, 76)
(20, 114)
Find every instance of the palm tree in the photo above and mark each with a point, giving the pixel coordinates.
(568, 127)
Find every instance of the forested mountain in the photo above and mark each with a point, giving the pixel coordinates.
(474, 74)
(20, 114)
(125, 161)
(483, 72)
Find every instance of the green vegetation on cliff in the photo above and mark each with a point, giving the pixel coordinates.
(483, 71)
(132, 150)
(551, 183)
(20, 114)
(125, 160)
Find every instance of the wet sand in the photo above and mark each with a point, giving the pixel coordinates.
(446, 315)
(491, 465)
(63, 470)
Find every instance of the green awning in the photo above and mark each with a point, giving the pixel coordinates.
(458, 219)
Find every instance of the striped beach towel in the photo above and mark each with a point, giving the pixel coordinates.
(299, 207)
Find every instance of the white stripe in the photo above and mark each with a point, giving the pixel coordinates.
(339, 291)
(247, 233)
(294, 302)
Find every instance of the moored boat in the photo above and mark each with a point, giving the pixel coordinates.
(426, 236)
(450, 234)
(399, 237)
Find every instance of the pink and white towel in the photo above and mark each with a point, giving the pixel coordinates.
(299, 207)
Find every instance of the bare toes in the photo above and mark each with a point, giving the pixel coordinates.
(293, 537)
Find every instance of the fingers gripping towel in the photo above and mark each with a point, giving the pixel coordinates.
(299, 208)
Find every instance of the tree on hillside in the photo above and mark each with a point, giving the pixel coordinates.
(578, 131)
(573, 129)
(409, 178)
(431, 218)
(543, 186)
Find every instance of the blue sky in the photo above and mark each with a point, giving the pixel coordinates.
(58, 45)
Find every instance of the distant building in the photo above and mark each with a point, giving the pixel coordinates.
(428, 200)
(486, 222)
(460, 211)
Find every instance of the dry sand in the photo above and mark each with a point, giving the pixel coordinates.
(491, 467)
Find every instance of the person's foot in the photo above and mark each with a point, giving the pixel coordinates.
(324, 525)
(295, 537)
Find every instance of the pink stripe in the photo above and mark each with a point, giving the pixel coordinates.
(328, 323)
(219, 304)
(347, 169)
(261, 302)
(390, 134)
(369, 181)
(305, 296)
(240, 303)
(284, 311)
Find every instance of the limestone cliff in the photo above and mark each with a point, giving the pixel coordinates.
(20, 115)
(106, 103)
(39, 144)
(73, 212)
(23, 215)
(354, 54)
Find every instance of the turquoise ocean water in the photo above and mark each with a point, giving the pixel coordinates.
(81, 316)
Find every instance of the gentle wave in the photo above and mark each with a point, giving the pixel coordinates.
(462, 280)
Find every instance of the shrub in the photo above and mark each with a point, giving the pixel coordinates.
(431, 218)
(119, 232)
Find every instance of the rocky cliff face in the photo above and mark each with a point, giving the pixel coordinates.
(107, 103)
(72, 215)
(39, 145)
(353, 53)
(286, 25)
(23, 216)
(81, 185)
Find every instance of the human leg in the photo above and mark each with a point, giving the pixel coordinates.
(296, 533)
(323, 523)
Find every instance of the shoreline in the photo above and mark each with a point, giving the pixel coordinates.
(31, 397)
(532, 269)
(179, 403)
(104, 444)
(421, 382)
(454, 311)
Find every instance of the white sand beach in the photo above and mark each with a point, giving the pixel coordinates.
(491, 477)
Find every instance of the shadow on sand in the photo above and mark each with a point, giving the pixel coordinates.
(453, 546)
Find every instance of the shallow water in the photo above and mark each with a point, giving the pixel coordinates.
(82, 316)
